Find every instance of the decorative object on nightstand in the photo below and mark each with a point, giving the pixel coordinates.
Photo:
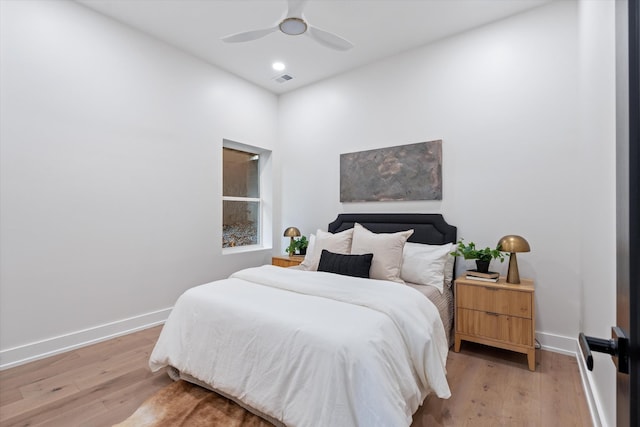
(513, 244)
(496, 314)
(298, 246)
(483, 257)
(490, 276)
(291, 232)
(287, 261)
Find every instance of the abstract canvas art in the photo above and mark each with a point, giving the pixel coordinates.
(403, 172)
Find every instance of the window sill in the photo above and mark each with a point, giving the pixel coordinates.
(245, 249)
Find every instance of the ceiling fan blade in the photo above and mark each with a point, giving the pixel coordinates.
(296, 7)
(328, 39)
(249, 35)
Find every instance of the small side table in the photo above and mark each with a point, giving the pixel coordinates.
(287, 261)
(497, 314)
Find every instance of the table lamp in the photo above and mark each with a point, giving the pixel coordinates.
(513, 244)
(291, 232)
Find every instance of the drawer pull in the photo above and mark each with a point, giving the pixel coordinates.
(489, 288)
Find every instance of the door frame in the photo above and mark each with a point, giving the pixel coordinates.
(627, 204)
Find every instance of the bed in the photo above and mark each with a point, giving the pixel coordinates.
(308, 348)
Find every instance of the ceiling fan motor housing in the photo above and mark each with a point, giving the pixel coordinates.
(293, 26)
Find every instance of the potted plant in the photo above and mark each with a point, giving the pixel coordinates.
(298, 246)
(483, 257)
(302, 244)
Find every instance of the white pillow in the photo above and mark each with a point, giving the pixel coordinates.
(448, 268)
(339, 243)
(426, 264)
(307, 257)
(386, 249)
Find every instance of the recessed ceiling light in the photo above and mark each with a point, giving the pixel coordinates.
(278, 66)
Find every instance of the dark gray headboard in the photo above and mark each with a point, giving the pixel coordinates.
(428, 228)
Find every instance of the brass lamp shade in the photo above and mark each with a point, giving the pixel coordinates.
(291, 232)
(513, 244)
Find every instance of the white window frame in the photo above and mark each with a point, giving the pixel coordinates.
(264, 189)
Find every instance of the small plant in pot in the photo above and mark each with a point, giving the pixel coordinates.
(298, 246)
(302, 244)
(483, 257)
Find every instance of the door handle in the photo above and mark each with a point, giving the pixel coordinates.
(617, 347)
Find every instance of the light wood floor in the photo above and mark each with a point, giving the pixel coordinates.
(494, 387)
(103, 384)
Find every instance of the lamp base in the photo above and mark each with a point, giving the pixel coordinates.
(513, 276)
(291, 253)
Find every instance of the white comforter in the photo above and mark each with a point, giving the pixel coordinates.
(310, 348)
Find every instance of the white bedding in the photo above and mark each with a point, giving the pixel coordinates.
(310, 348)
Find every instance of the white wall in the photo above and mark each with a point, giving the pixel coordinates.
(598, 219)
(110, 175)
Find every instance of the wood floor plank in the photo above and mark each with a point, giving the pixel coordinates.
(34, 366)
(103, 351)
(40, 413)
(106, 382)
(86, 377)
(107, 370)
(558, 393)
(9, 395)
(23, 408)
(75, 416)
(37, 370)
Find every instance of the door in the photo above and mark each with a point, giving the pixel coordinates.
(627, 205)
(627, 209)
(624, 346)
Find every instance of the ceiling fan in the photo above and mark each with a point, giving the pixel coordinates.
(294, 24)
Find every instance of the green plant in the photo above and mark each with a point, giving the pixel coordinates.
(297, 245)
(469, 251)
(302, 243)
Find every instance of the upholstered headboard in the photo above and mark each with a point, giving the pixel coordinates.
(428, 228)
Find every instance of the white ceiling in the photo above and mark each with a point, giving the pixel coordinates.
(377, 28)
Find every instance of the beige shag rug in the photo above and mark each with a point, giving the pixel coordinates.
(188, 405)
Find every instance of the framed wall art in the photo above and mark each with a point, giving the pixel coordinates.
(403, 172)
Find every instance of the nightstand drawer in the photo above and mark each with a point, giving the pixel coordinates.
(511, 329)
(287, 261)
(494, 300)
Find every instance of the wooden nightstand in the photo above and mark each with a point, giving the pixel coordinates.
(496, 314)
(287, 261)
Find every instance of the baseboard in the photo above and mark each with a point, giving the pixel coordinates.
(557, 343)
(592, 399)
(40, 349)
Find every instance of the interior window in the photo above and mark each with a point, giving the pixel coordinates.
(241, 202)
